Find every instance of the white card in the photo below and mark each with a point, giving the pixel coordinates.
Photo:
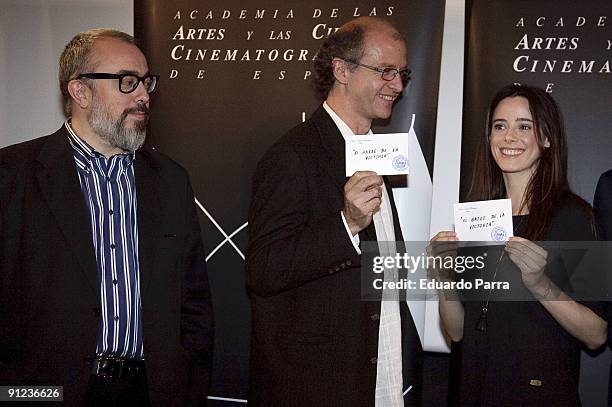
(484, 221)
(385, 154)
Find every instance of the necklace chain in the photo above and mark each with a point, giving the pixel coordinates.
(481, 325)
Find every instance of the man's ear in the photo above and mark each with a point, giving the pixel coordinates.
(80, 93)
(340, 70)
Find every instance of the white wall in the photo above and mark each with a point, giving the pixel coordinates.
(33, 34)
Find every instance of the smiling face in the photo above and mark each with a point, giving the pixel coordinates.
(119, 119)
(368, 95)
(513, 139)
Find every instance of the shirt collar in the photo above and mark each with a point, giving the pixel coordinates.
(78, 145)
(345, 130)
(87, 152)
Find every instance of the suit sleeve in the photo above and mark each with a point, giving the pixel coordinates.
(602, 205)
(196, 308)
(288, 244)
(4, 348)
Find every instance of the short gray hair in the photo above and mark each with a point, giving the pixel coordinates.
(76, 57)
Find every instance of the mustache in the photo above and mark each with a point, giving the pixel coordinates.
(140, 125)
(138, 109)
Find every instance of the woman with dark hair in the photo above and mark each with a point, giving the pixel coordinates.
(524, 352)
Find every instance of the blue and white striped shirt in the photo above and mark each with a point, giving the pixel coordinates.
(109, 191)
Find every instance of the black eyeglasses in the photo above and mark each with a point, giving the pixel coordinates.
(127, 82)
(388, 73)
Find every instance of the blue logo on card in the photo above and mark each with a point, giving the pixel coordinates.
(498, 234)
(400, 162)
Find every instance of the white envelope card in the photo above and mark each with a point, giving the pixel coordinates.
(484, 221)
(385, 154)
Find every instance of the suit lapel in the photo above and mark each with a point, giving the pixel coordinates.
(148, 214)
(333, 144)
(59, 184)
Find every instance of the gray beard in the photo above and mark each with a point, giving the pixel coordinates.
(115, 133)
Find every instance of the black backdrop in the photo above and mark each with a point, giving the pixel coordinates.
(219, 126)
(502, 47)
(496, 42)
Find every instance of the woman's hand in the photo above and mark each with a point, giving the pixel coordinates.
(531, 261)
(443, 244)
(578, 320)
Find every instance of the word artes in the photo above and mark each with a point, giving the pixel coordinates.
(558, 43)
(199, 34)
(562, 22)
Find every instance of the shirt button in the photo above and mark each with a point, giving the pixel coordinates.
(110, 212)
(116, 318)
(115, 281)
(108, 179)
(112, 246)
(535, 382)
(375, 317)
(373, 360)
(349, 263)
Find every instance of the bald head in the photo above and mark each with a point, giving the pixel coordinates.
(347, 43)
(369, 24)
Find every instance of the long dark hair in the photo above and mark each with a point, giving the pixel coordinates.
(548, 184)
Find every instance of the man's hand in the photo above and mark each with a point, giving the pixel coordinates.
(362, 197)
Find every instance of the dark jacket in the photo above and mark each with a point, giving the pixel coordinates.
(49, 290)
(314, 340)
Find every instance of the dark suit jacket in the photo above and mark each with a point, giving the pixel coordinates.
(314, 342)
(49, 290)
(602, 206)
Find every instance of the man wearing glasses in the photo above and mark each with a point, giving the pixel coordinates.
(315, 343)
(103, 284)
